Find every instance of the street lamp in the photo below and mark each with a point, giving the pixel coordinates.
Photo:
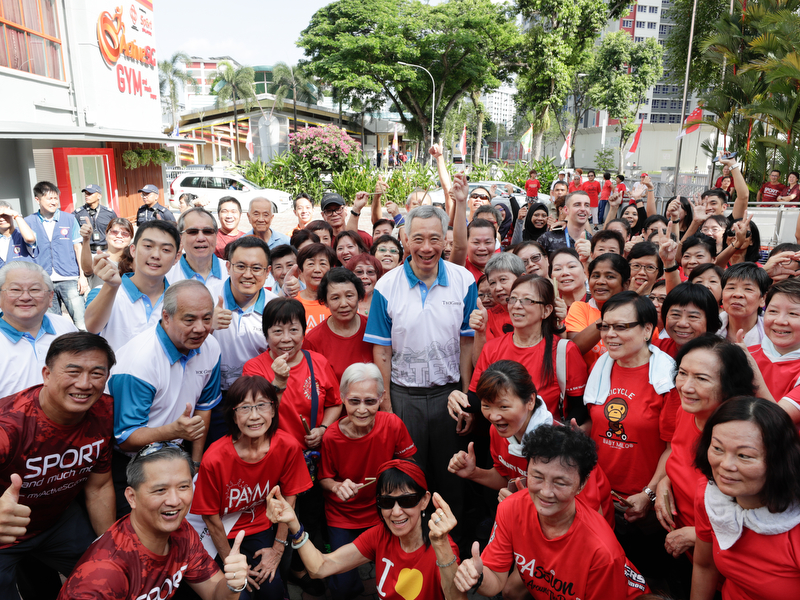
(433, 98)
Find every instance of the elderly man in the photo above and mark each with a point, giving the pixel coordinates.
(55, 454)
(96, 215)
(119, 316)
(419, 325)
(198, 230)
(151, 210)
(333, 212)
(167, 380)
(25, 293)
(148, 554)
(17, 240)
(260, 216)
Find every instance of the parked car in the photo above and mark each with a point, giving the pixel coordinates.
(210, 185)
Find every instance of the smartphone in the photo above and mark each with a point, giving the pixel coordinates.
(725, 157)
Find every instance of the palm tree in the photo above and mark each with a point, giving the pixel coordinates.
(294, 80)
(170, 78)
(234, 83)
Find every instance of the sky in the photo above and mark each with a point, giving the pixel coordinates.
(259, 33)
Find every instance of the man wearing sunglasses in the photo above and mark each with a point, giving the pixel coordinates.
(152, 552)
(55, 444)
(198, 230)
(151, 210)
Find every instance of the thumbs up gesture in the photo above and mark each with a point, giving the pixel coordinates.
(463, 463)
(236, 567)
(291, 284)
(222, 316)
(584, 247)
(470, 570)
(479, 318)
(189, 427)
(14, 517)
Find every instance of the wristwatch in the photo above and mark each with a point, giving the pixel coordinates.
(354, 213)
(650, 494)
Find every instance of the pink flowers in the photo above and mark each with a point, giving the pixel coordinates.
(327, 147)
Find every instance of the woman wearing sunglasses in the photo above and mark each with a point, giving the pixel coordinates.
(478, 197)
(632, 405)
(409, 554)
(230, 491)
(353, 450)
(119, 235)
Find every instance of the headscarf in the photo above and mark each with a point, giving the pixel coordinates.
(408, 467)
(532, 233)
(505, 226)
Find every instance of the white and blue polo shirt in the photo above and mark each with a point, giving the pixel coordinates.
(24, 355)
(152, 381)
(218, 275)
(244, 339)
(423, 325)
(131, 314)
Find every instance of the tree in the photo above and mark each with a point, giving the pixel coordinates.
(170, 77)
(622, 73)
(294, 80)
(467, 45)
(234, 83)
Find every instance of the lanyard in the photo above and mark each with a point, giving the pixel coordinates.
(566, 237)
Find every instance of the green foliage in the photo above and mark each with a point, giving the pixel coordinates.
(517, 173)
(354, 179)
(294, 80)
(604, 160)
(287, 172)
(141, 157)
(327, 148)
(170, 78)
(234, 84)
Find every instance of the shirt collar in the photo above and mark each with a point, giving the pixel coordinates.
(189, 273)
(134, 293)
(173, 354)
(14, 336)
(441, 278)
(231, 304)
(55, 218)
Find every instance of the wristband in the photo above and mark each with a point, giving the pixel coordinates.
(325, 427)
(478, 583)
(241, 589)
(676, 221)
(296, 536)
(560, 330)
(296, 546)
(354, 213)
(444, 566)
(671, 269)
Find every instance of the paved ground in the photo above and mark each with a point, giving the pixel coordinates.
(285, 222)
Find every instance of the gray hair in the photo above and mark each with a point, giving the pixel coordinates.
(358, 372)
(134, 472)
(5, 204)
(505, 261)
(427, 212)
(25, 265)
(488, 208)
(196, 209)
(171, 295)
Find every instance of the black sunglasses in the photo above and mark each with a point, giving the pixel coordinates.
(405, 501)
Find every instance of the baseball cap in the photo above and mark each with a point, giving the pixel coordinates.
(92, 189)
(331, 199)
(643, 175)
(149, 189)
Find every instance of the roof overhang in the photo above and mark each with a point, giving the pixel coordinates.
(39, 131)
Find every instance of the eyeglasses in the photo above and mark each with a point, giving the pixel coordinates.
(243, 268)
(355, 402)
(207, 231)
(333, 211)
(14, 292)
(405, 501)
(659, 299)
(512, 300)
(261, 408)
(370, 273)
(153, 448)
(388, 250)
(479, 197)
(485, 295)
(119, 233)
(648, 268)
(618, 327)
(532, 259)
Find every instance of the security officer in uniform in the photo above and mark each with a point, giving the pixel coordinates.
(99, 216)
(151, 210)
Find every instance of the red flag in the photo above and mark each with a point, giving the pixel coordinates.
(635, 143)
(566, 149)
(462, 145)
(695, 115)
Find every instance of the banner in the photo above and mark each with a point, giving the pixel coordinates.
(566, 150)
(695, 115)
(635, 143)
(527, 140)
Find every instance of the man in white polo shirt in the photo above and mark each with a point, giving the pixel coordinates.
(120, 316)
(27, 331)
(167, 379)
(198, 231)
(419, 325)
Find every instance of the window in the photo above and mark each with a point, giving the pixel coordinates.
(674, 104)
(663, 30)
(653, 10)
(642, 8)
(627, 23)
(643, 116)
(674, 118)
(662, 42)
(651, 25)
(638, 39)
(658, 119)
(29, 37)
(646, 102)
(640, 24)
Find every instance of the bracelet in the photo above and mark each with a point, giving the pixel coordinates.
(325, 427)
(296, 546)
(450, 564)
(241, 589)
(284, 542)
(671, 269)
(296, 536)
(560, 330)
(478, 583)
(650, 493)
(676, 221)
(354, 213)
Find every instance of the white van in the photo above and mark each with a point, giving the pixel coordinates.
(211, 185)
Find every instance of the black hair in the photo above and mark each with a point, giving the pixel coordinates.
(790, 287)
(717, 193)
(45, 187)
(688, 216)
(356, 239)
(571, 251)
(655, 219)
(392, 480)
(619, 264)
(384, 239)
(642, 249)
(339, 275)
(700, 239)
(571, 446)
(301, 236)
(624, 223)
(167, 227)
(748, 271)
(544, 290)
(621, 177)
(79, 342)
(507, 375)
(481, 224)
(736, 377)
(314, 250)
(784, 247)
(247, 241)
(645, 310)
(608, 234)
(781, 445)
(607, 176)
(225, 200)
(753, 251)
(301, 195)
(253, 386)
(282, 251)
(283, 311)
(320, 225)
(380, 222)
(688, 293)
(700, 269)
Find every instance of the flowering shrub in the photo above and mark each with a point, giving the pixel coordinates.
(327, 148)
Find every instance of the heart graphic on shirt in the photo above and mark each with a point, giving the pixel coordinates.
(409, 583)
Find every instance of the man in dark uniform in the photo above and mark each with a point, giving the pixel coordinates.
(151, 210)
(98, 215)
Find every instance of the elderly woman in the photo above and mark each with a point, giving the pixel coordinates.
(340, 337)
(353, 449)
(561, 548)
(313, 262)
(501, 272)
(748, 511)
(230, 491)
(688, 311)
(534, 257)
(388, 250)
(413, 559)
(632, 404)
(368, 269)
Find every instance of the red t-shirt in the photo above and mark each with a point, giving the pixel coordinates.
(574, 186)
(586, 563)
(770, 192)
(532, 359)
(592, 188)
(499, 322)
(718, 183)
(532, 188)
(222, 241)
(476, 272)
(400, 574)
(341, 352)
(756, 567)
(629, 448)
(780, 377)
(356, 459)
(118, 567)
(680, 467)
(296, 398)
(666, 345)
(227, 484)
(54, 461)
(605, 194)
(596, 492)
(621, 188)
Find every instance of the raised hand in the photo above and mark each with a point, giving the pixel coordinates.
(442, 520)
(456, 403)
(291, 284)
(742, 229)
(14, 517)
(435, 151)
(673, 209)
(523, 212)
(470, 570)
(86, 229)
(780, 267)
(381, 187)
(278, 509)
(106, 270)
(667, 250)
(281, 370)
(189, 427)
(222, 316)
(392, 209)
(463, 463)
(236, 567)
(361, 201)
(583, 247)
(479, 318)
(460, 189)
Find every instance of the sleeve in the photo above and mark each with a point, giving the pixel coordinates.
(106, 421)
(701, 523)
(206, 499)
(201, 566)
(295, 477)
(379, 323)
(133, 398)
(499, 552)
(470, 304)
(169, 216)
(577, 371)
(669, 414)
(577, 317)
(93, 294)
(211, 395)
(75, 231)
(367, 542)
(85, 582)
(403, 446)
(330, 384)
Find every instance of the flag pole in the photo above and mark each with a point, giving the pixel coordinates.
(685, 93)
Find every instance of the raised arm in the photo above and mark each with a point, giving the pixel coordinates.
(358, 205)
(460, 192)
(444, 176)
(380, 189)
(740, 185)
(98, 310)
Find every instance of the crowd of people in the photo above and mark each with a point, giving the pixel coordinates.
(527, 399)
